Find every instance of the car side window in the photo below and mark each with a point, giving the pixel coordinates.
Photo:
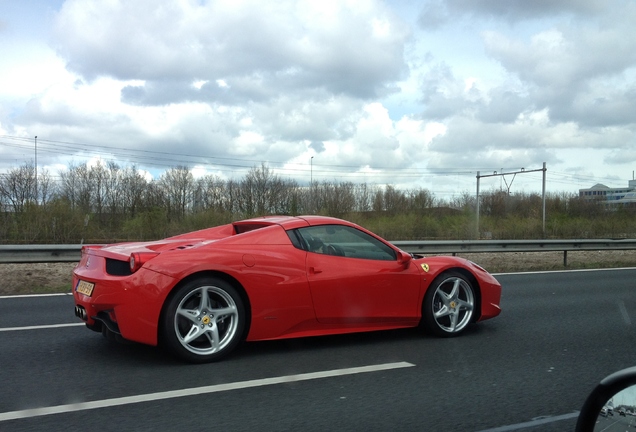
(342, 241)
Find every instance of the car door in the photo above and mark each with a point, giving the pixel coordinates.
(356, 278)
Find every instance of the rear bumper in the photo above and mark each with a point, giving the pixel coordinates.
(126, 305)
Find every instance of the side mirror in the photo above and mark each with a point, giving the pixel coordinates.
(404, 257)
(613, 400)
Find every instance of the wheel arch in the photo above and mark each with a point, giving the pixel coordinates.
(211, 273)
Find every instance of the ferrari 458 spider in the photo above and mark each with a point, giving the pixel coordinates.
(200, 294)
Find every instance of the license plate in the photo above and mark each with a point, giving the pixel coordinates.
(85, 288)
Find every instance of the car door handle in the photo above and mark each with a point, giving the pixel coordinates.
(314, 270)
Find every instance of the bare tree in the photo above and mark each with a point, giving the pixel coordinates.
(284, 200)
(420, 200)
(493, 203)
(132, 190)
(210, 193)
(113, 189)
(99, 179)
(76, 187)
(378, 201)
(177, 185)
(259, 191)
(364, 197)
(155, 197)
(394, 200)
(465, 202)
(46, 187)
(17, 187)
(232, 196)
(337, 199)
(265, 186)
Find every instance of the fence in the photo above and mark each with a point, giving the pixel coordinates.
(17, 254)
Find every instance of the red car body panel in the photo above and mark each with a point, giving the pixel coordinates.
(289, 292)
(136, 301)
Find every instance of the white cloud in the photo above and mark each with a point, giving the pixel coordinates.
(350, 47)
(28, 70)
(392, 92)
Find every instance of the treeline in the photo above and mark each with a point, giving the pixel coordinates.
(107, 202)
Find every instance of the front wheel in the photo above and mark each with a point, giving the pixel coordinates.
(204, 320)
(449, 305)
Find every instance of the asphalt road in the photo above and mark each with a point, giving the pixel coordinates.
(528, 369)
(616, 423)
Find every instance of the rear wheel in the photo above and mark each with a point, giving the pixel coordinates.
(204, 320)
(449, 305)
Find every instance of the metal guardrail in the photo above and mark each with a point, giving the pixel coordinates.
(20, 254)
(465, 246)
(455, 247)
(17, 254)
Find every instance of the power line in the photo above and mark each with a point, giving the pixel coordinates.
(161, 159)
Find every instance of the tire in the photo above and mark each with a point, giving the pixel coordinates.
(449, 305)
(204, 320)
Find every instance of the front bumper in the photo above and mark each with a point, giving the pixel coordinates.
(490, 297)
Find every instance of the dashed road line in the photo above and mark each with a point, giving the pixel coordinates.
(127, 400)
(40, 327)
(533, 423)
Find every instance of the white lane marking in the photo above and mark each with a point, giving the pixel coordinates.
(106, 403)
(40, 327)
(35, 295)
(624, 312)
(533, 423)
(494, 274)
(563, 271)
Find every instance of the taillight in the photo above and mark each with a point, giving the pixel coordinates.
(138, 259)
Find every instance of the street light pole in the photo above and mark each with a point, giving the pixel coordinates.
(36, 170)
(311, 183)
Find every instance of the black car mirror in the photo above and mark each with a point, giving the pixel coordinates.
(612, 400)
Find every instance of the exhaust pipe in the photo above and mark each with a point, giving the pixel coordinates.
(80, 312)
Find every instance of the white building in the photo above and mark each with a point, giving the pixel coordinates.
(610, 195)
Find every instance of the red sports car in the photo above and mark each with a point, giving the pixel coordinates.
(200, 294)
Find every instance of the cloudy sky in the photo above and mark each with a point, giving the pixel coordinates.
(408, 93)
